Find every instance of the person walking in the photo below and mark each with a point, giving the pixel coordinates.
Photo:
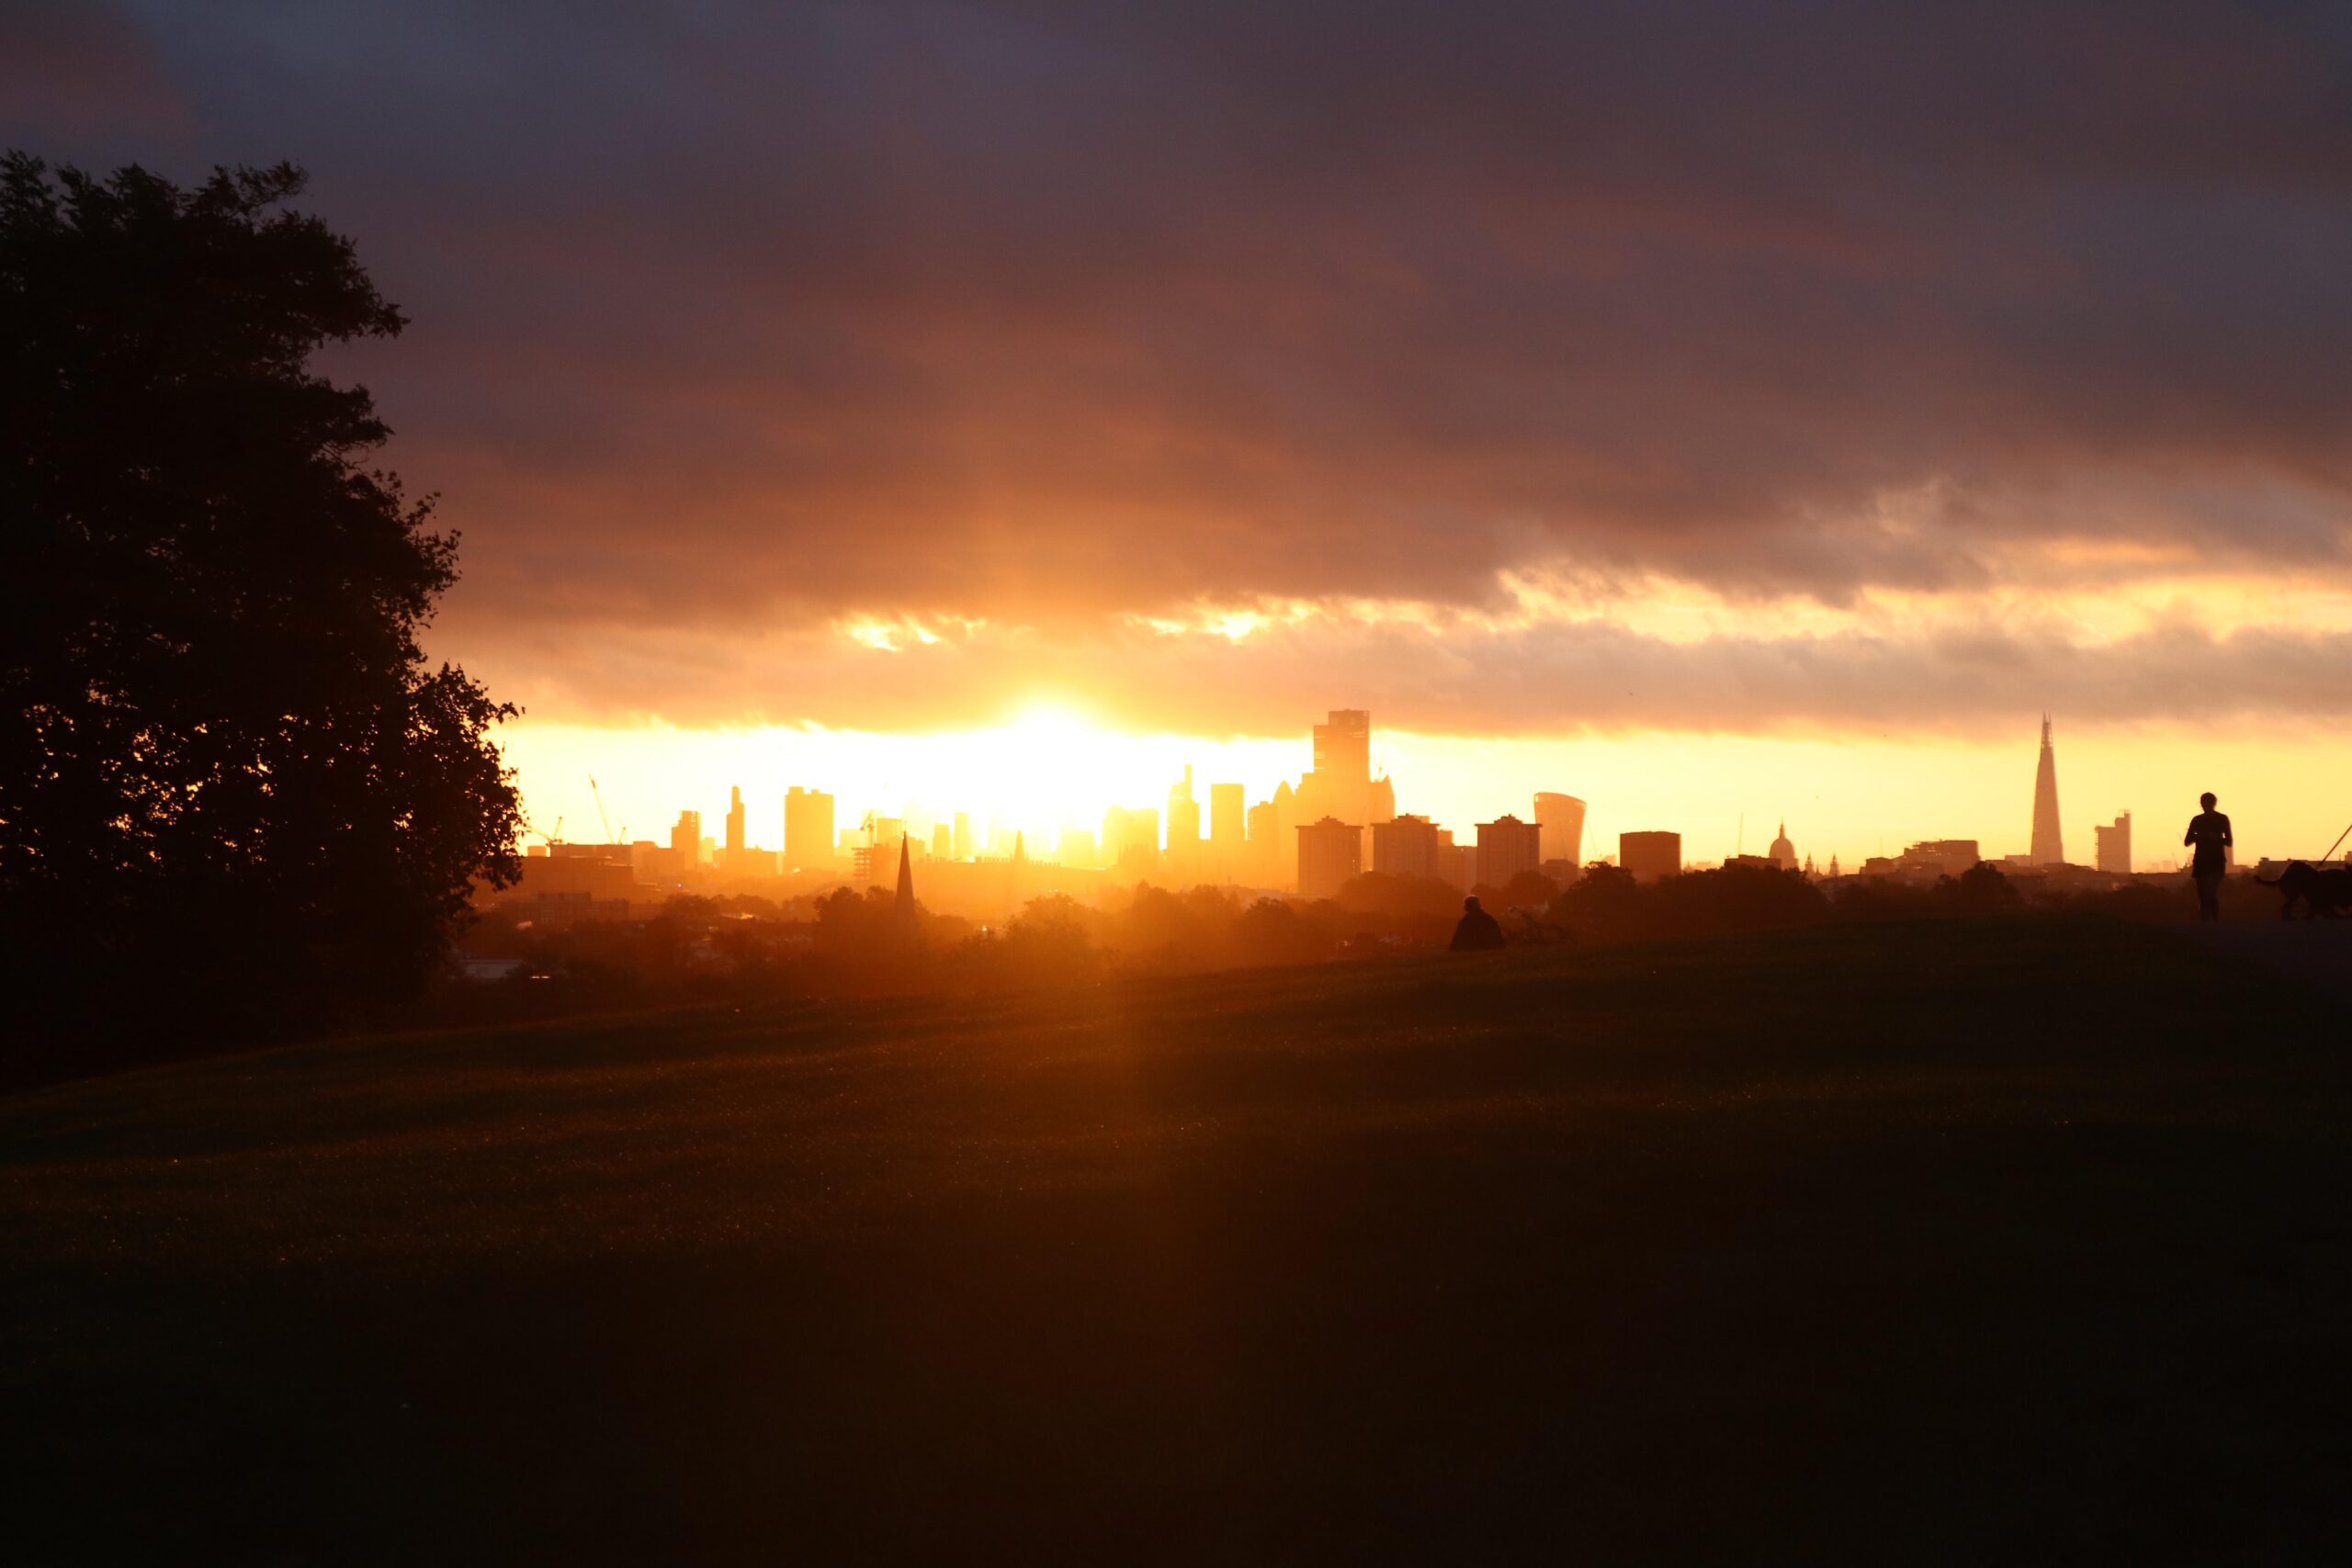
(2209, 830)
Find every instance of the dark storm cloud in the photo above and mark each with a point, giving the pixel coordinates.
(729, 316)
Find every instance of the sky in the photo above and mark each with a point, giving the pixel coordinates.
(1714, 411)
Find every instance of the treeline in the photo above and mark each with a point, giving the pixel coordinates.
(741, 947)
(1606, 905)
(738, 948)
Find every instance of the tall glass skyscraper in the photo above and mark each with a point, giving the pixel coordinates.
(2048, 848)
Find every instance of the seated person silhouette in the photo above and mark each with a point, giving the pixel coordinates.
(1478, 929)
(2209, 831)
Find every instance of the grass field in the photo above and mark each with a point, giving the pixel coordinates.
(1891, 1243)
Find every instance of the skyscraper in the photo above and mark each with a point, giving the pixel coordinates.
(1183, 828)
(2115, 845)
(1456, 863)
(2047, 848)
(809, 830)
(1343, 747)
(1284, 865)
(1226, 830)
(1339, 784)
(685, 839)
(1266, 842)
(962, 839)
(1561, 817)
(1508, 846)
(734, 828)
(1131, 841)
(876, 837)
(1405, 846)
(1650, 855)
(1329, 852)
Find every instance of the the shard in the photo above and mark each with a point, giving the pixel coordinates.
(2047, 848)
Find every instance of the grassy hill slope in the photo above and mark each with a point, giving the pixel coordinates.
(2022, 1234)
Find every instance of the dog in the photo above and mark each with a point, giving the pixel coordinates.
(2324, 891)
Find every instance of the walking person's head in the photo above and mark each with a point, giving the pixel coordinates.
(2206, 800)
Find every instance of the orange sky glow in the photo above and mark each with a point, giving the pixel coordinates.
(1175, 376)
(1052, 768)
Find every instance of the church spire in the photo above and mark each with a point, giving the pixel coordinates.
(902, 908)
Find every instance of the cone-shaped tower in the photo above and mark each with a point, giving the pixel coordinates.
(902, 908)
(2047, 849)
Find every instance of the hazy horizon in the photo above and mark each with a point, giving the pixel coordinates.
(1851, 798)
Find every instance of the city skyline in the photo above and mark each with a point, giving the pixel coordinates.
(1217, 830)
(1951, 792)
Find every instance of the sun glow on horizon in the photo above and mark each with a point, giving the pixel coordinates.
(1051, 764)
(1048, 767)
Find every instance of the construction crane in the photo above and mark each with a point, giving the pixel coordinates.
(599, 796)
(550, 839)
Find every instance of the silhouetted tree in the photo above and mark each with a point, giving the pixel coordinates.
(1604, 905)
(1737, 898)
(851, 921)
(1981, 889)
(1049, 943)
(1176, 931)
(1529, 889)
(1270, 932)
(230, 787)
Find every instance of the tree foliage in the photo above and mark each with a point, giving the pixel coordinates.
(231, 789)
(1607, 903)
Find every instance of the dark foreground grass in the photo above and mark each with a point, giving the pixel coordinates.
(1893, 1242)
